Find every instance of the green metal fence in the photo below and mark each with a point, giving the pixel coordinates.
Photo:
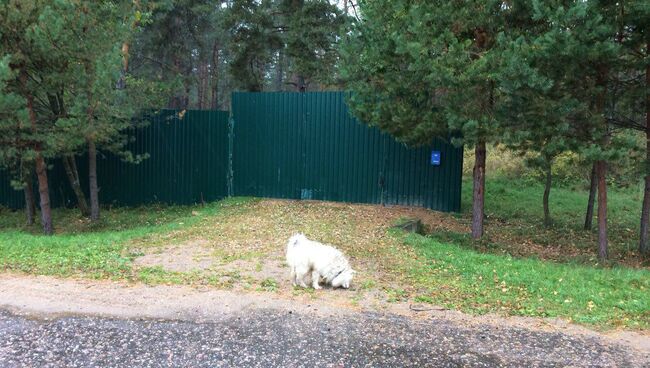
(279, 145)
(188, 162)
(307, 145)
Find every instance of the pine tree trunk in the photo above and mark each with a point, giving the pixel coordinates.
(44, 194)
(187, 82)
(41, 168)
(202, 85)
(601, 169)
(92, 180)
(176, 100)
(478, 200)
(547, 193)
(214, 77)
(279, 76)
(593, 188)
(300, 84)
(121, 83)
(30, 202)
(644, 247)
(185, 101)
(70, 166)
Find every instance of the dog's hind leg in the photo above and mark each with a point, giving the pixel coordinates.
(315, 278)
(293, 276)
(301, 272)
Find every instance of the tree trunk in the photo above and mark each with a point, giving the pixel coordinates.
(214, 77)
(92, 180)
(547, 193)
(593, 188)
(300, 84)
(41, 168)
(30, 202)
(44, 194)
(176, 100)
(601, 167)
(186, 95)
(644, 248)
(279, 76)
(187, 82)
(70, 165)
(601, 170)
(121, 83)
(202, 84)
(478, 199)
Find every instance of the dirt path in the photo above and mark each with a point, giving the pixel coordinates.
(40, 295)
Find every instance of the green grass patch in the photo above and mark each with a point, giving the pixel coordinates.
(94, 250)
(514, 216)
(464, 279)
(269, 284)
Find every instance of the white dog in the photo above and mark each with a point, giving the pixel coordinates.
(310, 258)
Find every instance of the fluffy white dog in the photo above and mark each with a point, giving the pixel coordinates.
(311, 258)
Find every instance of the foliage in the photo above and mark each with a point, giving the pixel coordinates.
(179, 47)
(570, 169)
(13, 120)
(254, 39)
(296, 36)
(205, 49)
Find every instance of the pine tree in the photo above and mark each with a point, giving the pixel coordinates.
(96, 113)
(253, 42)
(580, 53)
(297, 37)
(422, 69)
(634, 20)
(310, 29)
(66, 59)
(32, 69)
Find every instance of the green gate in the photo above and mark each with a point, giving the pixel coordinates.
(308, 146)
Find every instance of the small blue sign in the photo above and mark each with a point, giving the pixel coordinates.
(435, 158)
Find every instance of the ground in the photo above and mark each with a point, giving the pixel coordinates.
(172, 269)
(238, 244)
(49, 322)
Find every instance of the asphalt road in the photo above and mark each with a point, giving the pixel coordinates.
(275, 338)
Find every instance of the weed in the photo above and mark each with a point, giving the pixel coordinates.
(269, 284)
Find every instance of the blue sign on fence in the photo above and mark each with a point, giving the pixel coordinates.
(435, 158)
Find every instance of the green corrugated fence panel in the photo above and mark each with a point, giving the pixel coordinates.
(284, 145)
(307, 145)
(188, 164)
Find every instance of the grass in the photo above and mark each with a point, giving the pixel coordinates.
(464, 279)
(514, 220)
(96, 251)
(520, 269)
(269, 284)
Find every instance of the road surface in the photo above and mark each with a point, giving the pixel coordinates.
(289, 338)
